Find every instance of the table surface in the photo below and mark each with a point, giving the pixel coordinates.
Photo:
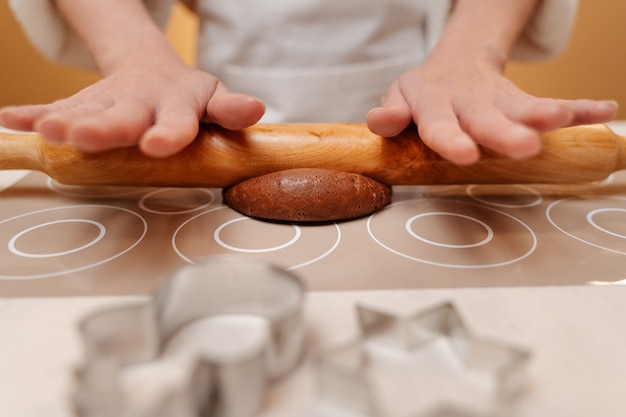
(536, 266)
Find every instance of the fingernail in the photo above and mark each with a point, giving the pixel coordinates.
(51, 129)
(464, 150)
(528, 143)
(612, 104)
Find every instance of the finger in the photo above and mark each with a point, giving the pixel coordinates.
(119, 126)
(393, 116)
(493, 130)
(233, 111)
(439, 129)
(590, 111)
(21, 117)
(539, 114)
(56, 123)
(388, 121)
(175, 127)
(53, 116)
(548, 114)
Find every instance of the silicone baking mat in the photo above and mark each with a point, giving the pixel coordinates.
(68, 240)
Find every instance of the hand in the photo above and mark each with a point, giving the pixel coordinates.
(157, 108)
(460, 104)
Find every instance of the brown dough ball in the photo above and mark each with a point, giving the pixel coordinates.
(308, 195)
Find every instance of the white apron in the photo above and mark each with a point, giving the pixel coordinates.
(303, 70)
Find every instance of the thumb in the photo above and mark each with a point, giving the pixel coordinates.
(393, 116)
(233, 111)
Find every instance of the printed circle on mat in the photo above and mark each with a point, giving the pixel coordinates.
(62, 240)
(450, 233)
(176, 200)
(94, 191)
(597, 221)
(505, 196)
(37, 243)
(222, 230)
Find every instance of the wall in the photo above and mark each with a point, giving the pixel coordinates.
(593, 66)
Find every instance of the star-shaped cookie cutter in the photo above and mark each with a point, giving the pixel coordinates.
(344, 371)
(121, 336)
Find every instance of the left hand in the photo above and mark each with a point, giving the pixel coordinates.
(458, 105)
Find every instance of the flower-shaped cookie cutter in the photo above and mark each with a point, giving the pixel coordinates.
(346, 371)
(121, 336)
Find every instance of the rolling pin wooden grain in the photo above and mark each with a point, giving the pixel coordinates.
(219, 158)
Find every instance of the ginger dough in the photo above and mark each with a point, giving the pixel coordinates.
(308, 195)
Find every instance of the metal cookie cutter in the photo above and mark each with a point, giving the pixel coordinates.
(120, 337)
(352, 377)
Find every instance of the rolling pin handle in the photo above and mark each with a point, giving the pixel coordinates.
(621, 152)
(21, 151)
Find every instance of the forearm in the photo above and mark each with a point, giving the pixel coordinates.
(117, 32)
(486, 29)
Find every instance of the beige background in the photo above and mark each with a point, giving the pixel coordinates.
(593, 65)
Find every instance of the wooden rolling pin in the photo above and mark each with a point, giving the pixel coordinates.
(219, 158)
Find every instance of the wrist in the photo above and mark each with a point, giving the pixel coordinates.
(118, 33)
(484, 30)
(153, 54)
(456, 54)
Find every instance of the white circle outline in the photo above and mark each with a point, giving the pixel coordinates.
(300, 265)
(143, 206)
(538, 200)
(122, 192)
(553, 223)
(323, 255)
(18, 252)
(425, 261)
(445, 245)
(600, 228)
(84, 267)
(218, 239)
